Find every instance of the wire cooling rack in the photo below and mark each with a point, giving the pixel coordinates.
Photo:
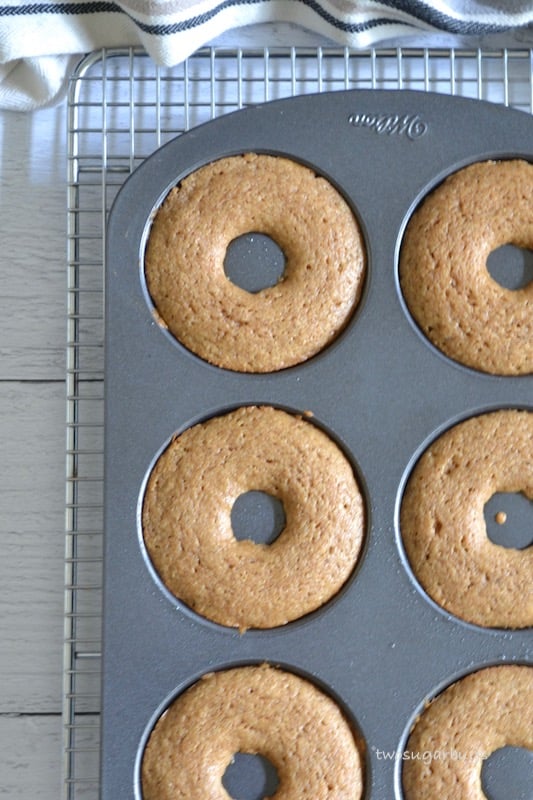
(121, 107)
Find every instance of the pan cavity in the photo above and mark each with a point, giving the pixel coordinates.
(511, 266)
(509, 520)
(508, 772)
(250, 776)
(254, 261)
(258, 516)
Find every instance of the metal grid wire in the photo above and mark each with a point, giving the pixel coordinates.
(122, 107)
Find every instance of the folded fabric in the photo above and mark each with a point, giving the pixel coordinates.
(37, 38)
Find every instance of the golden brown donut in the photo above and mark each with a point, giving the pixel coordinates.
(443, 528)
(255, 710)
(481, 713)
(281, 325)
(443, 267)
(186, 517)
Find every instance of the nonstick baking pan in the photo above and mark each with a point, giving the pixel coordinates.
(382, 648)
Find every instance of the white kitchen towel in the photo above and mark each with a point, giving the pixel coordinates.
(38, 39)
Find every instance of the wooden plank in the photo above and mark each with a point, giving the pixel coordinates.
(31, 750)
(32, 432)
(33, 253)
(30, 757)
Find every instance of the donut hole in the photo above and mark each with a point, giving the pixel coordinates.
(258, 516)
(511, 266)
(508, 773)
(250, 776)
(509, 518)
(254, 261)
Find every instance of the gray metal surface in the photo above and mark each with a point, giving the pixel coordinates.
(381, 390)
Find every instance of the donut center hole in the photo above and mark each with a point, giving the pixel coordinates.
(257, 516)
(511, 266)
(254, 262)
(508, 773)
(250, 777)
(509, 520)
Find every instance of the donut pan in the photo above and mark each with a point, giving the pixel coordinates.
(381, 647)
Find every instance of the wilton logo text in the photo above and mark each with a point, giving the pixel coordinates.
(409, 125)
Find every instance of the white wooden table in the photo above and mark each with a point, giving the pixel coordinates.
(32, 435)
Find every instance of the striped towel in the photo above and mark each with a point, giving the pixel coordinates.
(38, 38)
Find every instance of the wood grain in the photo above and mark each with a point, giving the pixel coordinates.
(31, 753)
(32, 431)
(33, 253)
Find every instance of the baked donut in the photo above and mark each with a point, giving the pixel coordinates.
(256, 710)
(481, 713)
(186, 517)
(443, 267)
(443, 527)
(281, 325)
